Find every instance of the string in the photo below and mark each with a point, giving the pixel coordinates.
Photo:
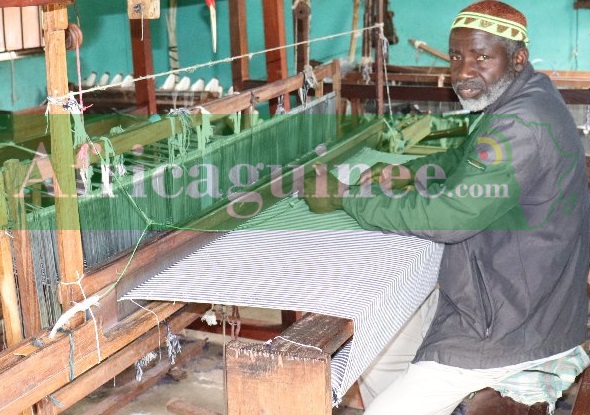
(192, 68)
(268, 343)
(79, 69)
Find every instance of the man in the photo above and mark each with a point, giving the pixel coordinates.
(511, 208)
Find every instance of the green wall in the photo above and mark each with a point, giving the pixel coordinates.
(555, 30)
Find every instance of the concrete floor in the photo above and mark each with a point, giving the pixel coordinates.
(201, 384)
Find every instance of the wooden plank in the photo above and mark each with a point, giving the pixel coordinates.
(8, 293)
(379, 58)
(301, 20)
(143, 64)
(38, 371)
(13, 34)
(582, 404)
(69, 240)
(367, 35)
(2, 44)
(286, 377)
(143, 9)
(353, 37)
(238, 42)
(118, 362)
(27, 288)
(275, 37)
(429, 49)
(30, 19)
(181, 407)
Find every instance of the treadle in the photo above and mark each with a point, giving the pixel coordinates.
(489, 402)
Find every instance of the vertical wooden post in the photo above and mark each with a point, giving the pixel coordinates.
(355, 22)
(239, 42)
(367, 21)
(28, 313)
(379, 59)
(337, 89)
(27, 287)
(143, 64)
(8, 295)
(69, 241)
(275, 36)
(301, 17)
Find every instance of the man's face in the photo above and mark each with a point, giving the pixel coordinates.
(480, 67)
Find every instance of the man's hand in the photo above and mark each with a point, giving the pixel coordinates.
(388, 175)
(322, 191)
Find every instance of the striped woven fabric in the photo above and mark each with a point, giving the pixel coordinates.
(376, 279)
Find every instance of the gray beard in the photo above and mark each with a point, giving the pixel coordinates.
(489, 97)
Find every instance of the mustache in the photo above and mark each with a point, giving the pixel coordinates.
(471, 84)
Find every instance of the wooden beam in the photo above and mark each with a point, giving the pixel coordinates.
(301, 20)
(69, 240)
(143, 64)
(238, 42)
(118, 362)
(367, 22)
(429, 49)
(379, 59)
(8, 293)
(275, 37)
(14, 174)
(34, 371)
(25, 3)
(582, 4)
(284, 377)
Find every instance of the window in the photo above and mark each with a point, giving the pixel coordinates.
(20, 29)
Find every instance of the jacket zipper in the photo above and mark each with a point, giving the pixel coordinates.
(485, 299)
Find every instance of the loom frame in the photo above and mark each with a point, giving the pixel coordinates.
(121, 336)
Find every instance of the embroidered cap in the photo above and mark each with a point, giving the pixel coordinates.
(494, 17)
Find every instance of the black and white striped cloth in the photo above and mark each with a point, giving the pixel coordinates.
(288, 258)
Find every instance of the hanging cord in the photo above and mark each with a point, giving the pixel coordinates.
(268, 343)
(385, 52)
(138, 8)
(220, 61)
(587, 125)
(235, 322)
(309, 82)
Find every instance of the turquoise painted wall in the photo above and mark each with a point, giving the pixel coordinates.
(556, 30)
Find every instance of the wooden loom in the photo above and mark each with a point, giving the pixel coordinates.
(35, 366)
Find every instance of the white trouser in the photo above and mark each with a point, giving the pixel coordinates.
(394, 386)
(397, 355)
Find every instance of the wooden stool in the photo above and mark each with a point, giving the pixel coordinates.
(489, 402)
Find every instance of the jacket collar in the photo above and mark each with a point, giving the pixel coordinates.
(513, 90)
